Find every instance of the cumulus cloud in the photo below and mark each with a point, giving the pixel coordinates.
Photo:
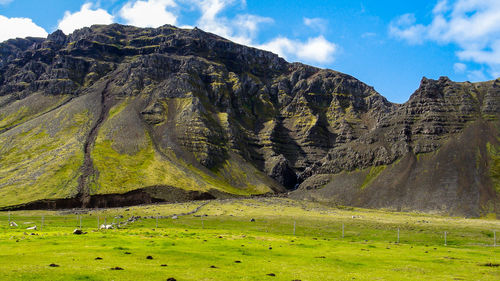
(472, 25)
(150, 13)
(5, 2)
(85, 17)
(19, 27)
(315, 50)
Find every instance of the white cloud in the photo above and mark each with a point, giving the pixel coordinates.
(317, 24)
(404, 27)
(459, 67)
(244, 29)
(472, 25)
(5, 2)
(150, 13)
(85, 17)
(19, 27)
(315, 50)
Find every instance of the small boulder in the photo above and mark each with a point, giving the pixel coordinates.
(174, 217)
(31, 228)
(252, 220)
(149, 257)
(53, 265)
(14, 224)
(116, 268)
(77, 231)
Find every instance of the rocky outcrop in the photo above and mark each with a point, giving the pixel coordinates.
(190, 109)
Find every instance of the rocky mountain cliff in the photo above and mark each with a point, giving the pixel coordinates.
(122, 114)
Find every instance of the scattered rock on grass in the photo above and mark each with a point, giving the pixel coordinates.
(491, 264)
(116, 268)
(53, 265)
(213, 266)
(149, 257)
(237, 261)
(163, 265)
(171, 279)
(127, 253)
(98, 258)
(271, 274)
(78, 232)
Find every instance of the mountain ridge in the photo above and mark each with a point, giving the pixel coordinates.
(191, 110)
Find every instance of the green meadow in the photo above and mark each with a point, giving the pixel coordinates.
(247, 239)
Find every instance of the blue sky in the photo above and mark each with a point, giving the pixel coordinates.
(390, 45)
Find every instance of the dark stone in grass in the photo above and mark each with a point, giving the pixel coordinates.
(171, 279)
(271, 274)
(270, 248)
(98, 258)
(213, 266)
(163, 265)
(127, 253)
(237, 261)
(116, 268)
(252, 220)
(491, 264)
(321, 257)
(53, 265)
(77, 231)
(149, 257)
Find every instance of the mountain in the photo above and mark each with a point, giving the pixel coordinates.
(113, 115)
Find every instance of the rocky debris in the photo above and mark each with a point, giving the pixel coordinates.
(13, 224)
(171, 279)
(98, 258)
(53, 265)
(116, 268)
(149, 257)
(32, 228)
(271, 274)
(163, 265)
(175, 217)
(252, 220)
(78, 232)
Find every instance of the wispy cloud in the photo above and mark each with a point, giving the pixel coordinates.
(317, 24)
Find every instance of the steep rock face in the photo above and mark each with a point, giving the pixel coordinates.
(191, 110)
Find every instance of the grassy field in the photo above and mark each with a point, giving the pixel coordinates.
(221, 242)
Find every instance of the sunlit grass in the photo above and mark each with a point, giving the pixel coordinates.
(191, 244)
